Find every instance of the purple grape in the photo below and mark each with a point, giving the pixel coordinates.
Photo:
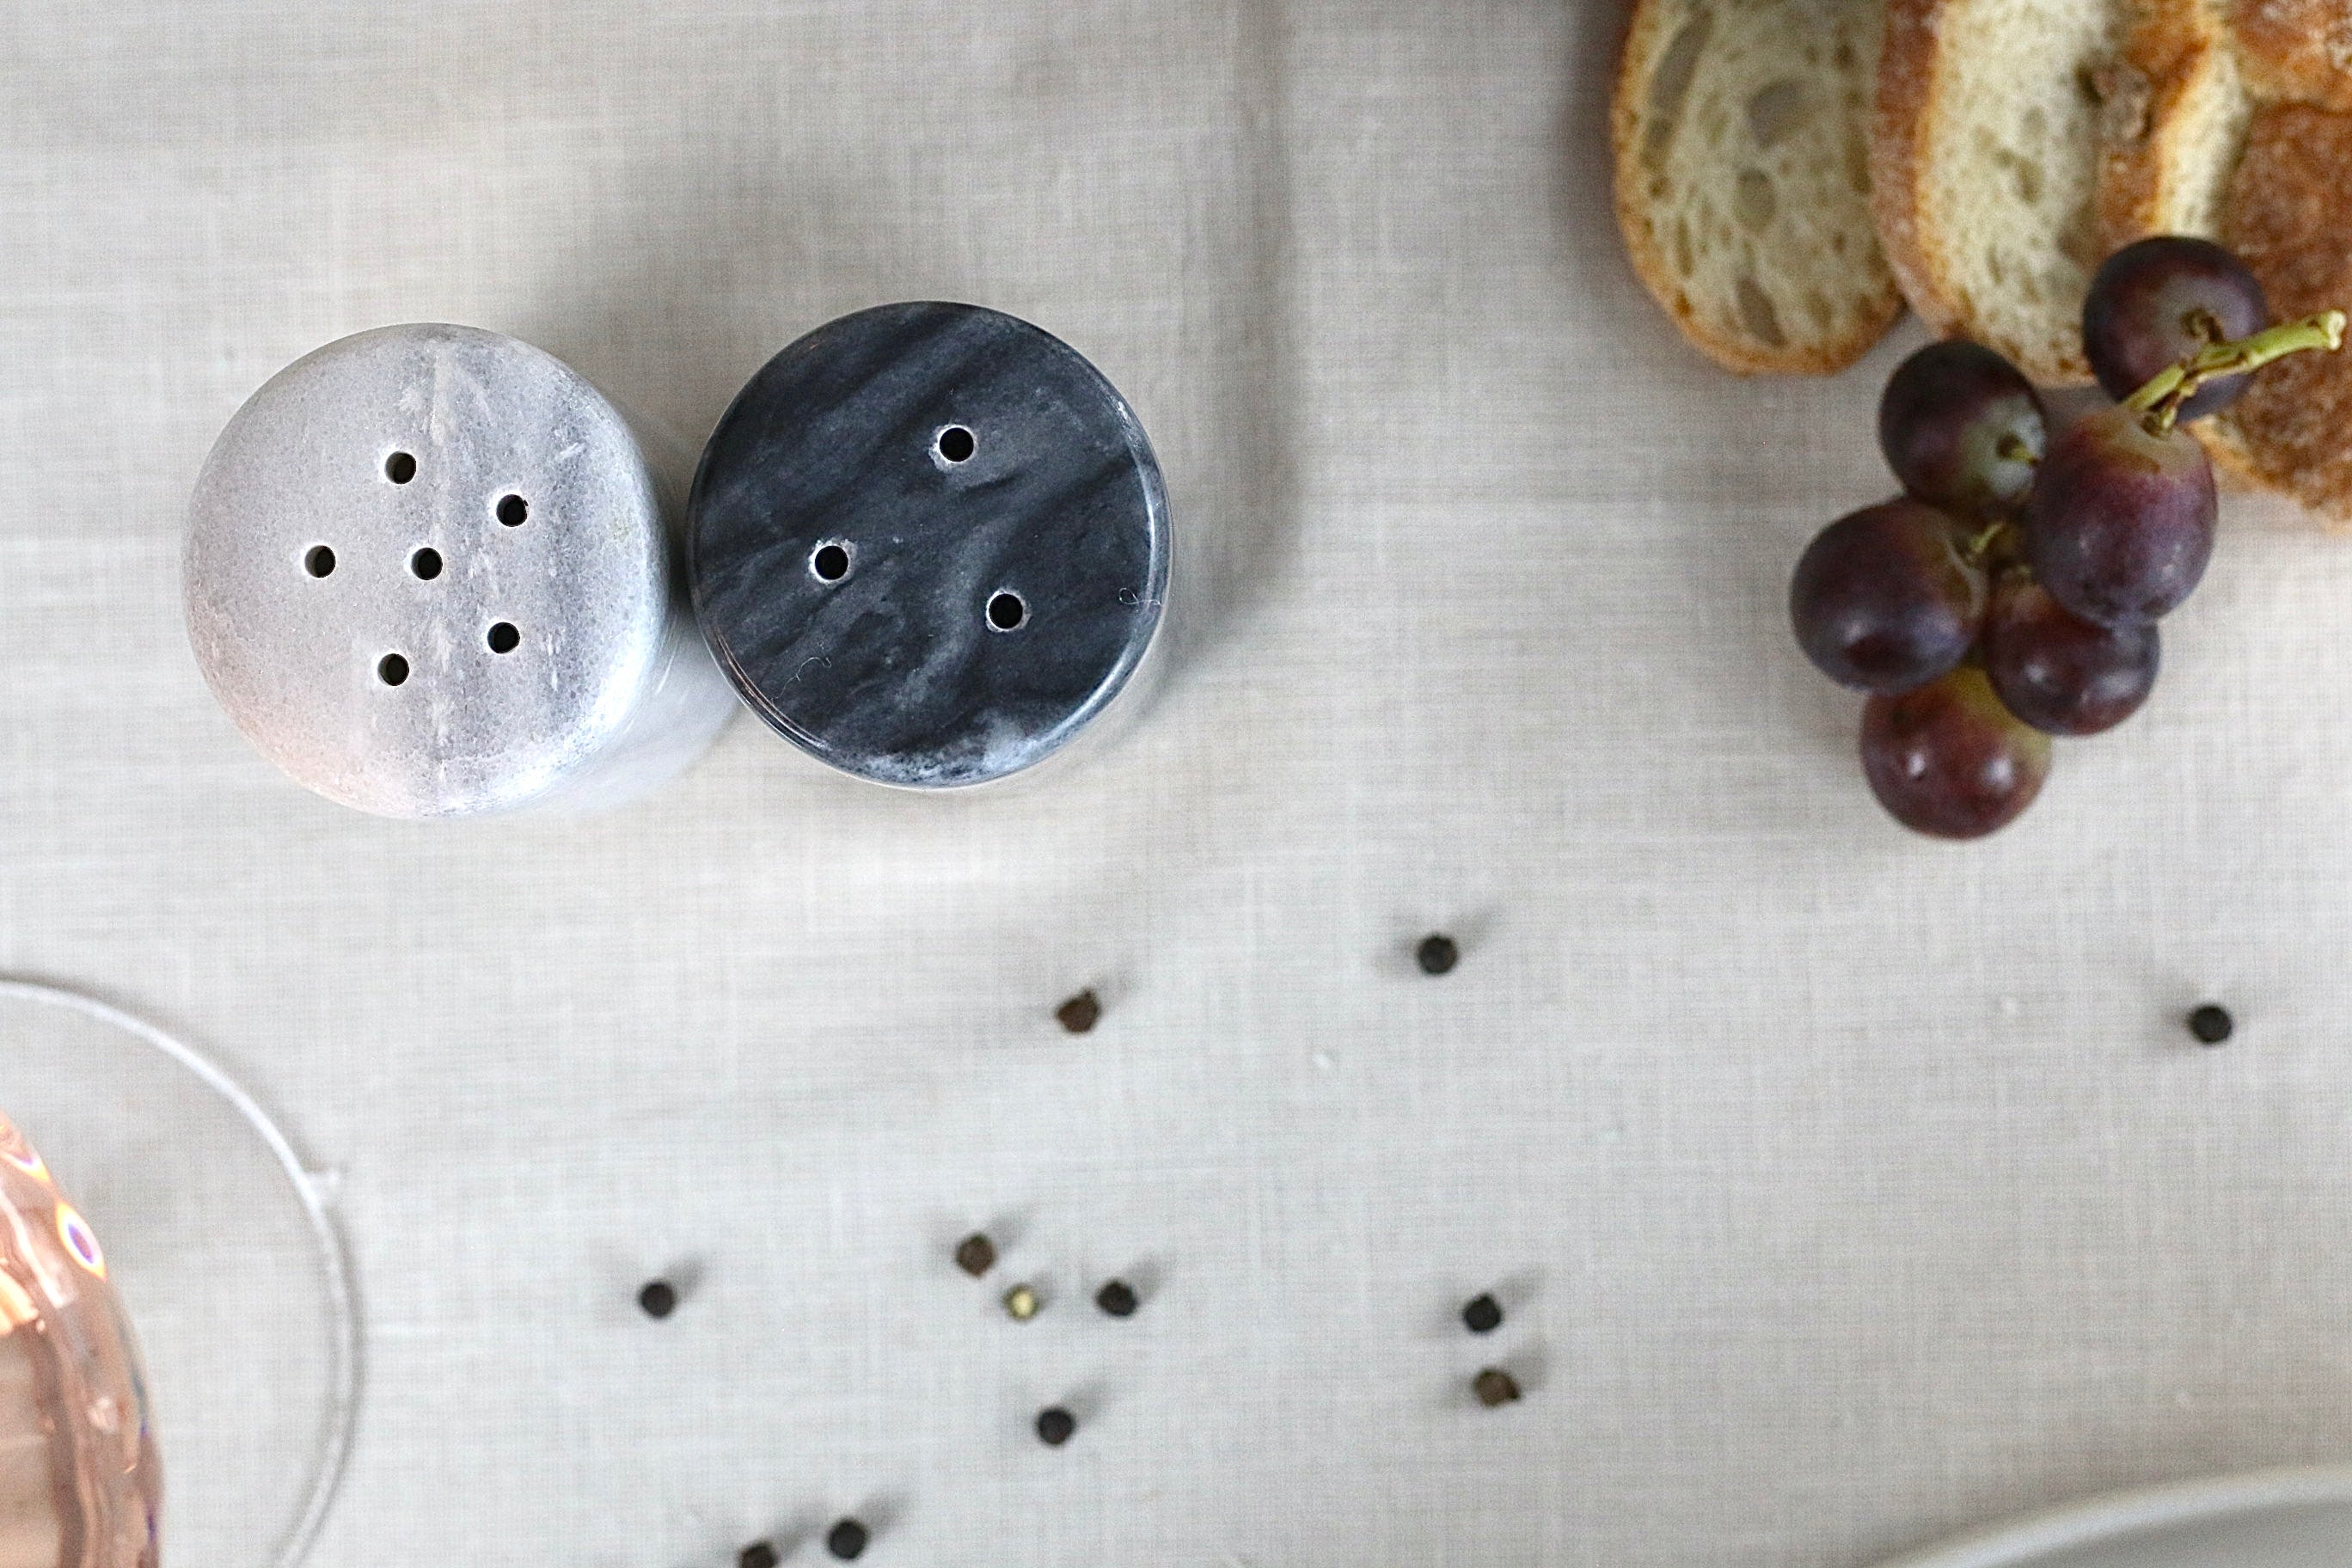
(2158, 300)
(1948, 759)
(2059, 673)
(1961, 428)
(2120, 522)
(1883, 601)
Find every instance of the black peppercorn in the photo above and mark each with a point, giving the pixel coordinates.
(1055, 1426)
(1080, 1013)
(846, 1539)
(1483, 1315)
(975, 1255)
(1494, 1387)
(1437, 954)
(758, 1554)
(658, 1298)
(2211, 1025)
(1118, 1299)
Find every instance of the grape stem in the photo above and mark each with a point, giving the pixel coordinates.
(1979, 545)
(2173, 385)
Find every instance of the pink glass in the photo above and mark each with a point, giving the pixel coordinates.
(80, 1485)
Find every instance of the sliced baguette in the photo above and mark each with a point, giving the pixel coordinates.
(1742, 179)
(1984, 168)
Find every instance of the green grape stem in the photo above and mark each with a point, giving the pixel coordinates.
(2173, 385)
(1977, 547)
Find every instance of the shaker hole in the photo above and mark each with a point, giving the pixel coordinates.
(400, 467)
(392, 669)
(426, 564)
(1007, 611)
(318, 561)
(513, 510)
(831, 562)
(957, 444)
(504, 637)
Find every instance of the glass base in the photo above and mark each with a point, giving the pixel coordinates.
(229, 1268)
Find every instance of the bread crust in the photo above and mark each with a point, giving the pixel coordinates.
(1900, 115)
(1646, 31)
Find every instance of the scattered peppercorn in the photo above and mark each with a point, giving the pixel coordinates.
(1056, 1425)
(846, 1539)
(1080, 1013)
(658, 1298)
(1494, 1387)
(975, 1255)
(2211, 1025)
(1118, 1299)
(1437, 954)
(1022, 1302)
(758, 1554)
(1483, 1315)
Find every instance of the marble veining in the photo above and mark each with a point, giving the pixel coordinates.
(844, 561)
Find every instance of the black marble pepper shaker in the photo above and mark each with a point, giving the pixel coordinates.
(930, 544)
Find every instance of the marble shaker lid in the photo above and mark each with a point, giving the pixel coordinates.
(929, 543)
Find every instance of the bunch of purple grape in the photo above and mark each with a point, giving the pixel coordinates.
(2011, 592)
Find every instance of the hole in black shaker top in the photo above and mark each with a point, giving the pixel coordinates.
(1006, 612)
(400, 467)
(320, 562)
(957, 444)
(831, 562)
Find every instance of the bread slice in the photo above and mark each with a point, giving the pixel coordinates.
(1742, 177)
(1984, 168)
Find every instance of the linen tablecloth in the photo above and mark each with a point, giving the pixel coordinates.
(1844, 1188)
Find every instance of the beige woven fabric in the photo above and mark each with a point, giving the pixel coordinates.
(1845, 1189)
